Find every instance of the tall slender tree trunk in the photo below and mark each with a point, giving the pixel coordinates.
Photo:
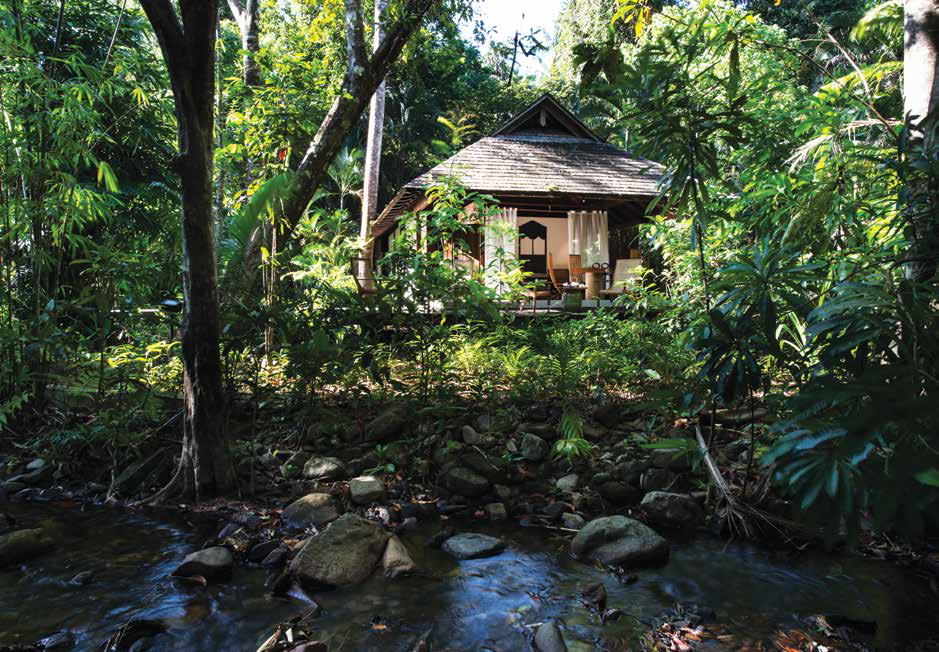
(246, 15)
(376, 130)
(921, 118)
(189, 52)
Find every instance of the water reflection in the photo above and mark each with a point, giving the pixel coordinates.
(470, 605)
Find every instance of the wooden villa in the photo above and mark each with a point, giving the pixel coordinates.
(571, 200)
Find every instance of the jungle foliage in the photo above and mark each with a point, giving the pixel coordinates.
(789, 264)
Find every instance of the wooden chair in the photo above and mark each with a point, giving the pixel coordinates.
(573, 265)
(624, 275)
(552, 291)
(361, 269)
(554, 281)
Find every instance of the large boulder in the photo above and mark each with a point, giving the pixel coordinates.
(619, 541)
(326, 469)
(472, 545)
(313, 510)
(366, 489)
(388, 425)
(534, 448)
(548, 639)
(568, 483)
(672, 510)
(397, 561)
(23, 545)
(465, 482)
(214, 563)
(344, 553)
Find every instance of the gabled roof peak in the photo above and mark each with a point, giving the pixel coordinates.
(546, 116)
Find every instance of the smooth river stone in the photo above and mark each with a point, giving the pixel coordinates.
(472, 546)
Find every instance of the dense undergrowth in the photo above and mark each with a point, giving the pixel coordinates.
(791, 256)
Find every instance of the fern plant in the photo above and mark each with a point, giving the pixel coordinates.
(572, 445)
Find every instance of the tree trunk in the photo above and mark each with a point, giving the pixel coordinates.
(921, 110)
(363, 75)
(246, 15)
(189, 52)
(376, 129)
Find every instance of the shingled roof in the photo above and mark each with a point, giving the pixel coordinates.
(543, 151)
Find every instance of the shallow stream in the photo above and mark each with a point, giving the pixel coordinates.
(481, 604)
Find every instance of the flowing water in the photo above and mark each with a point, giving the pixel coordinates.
(481, 604)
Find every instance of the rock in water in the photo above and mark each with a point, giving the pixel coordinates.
(619, 541)
(366, 489)
(311, 510)
(472, 546)
(387, 425)
(22, 545)
(258, 552)
(60, 641)
(594, 596)
(672, 510)
(344, 553)
(211, 563)
(534, 448)
(83, 578)
(324, 468)
(548, 639)
(396, 561)
(465, 482)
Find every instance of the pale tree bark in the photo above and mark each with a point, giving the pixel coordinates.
(246, 15)
(362, 78)
(376, 130)
(921, 117)
(187, 42)
(363, 75)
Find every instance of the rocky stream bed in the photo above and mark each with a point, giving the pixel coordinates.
(458, 547)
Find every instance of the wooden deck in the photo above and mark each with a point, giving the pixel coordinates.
(545, 308)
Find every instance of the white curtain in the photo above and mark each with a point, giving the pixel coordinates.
(501, 241)
(589, 236)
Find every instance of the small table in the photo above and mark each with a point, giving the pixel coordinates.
(593, 278)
